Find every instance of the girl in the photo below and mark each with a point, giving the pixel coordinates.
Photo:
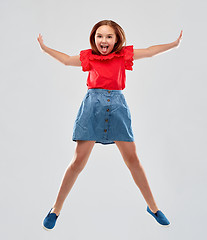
(104, 116)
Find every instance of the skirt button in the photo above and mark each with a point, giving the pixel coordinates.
(106, 120)
(108, 100)
(107, 110)
(109, 91)
(105, 130)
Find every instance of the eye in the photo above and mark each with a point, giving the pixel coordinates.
(109, 36)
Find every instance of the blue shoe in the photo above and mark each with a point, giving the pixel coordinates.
(49, 221)
(159, 217)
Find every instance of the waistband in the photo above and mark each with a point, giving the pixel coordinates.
(104, 91)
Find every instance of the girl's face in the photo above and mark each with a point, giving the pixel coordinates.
(105, 38)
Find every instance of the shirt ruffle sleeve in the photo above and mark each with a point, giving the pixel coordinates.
(84, 58)
(128, 57)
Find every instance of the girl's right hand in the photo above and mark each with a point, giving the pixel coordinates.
(40, 40)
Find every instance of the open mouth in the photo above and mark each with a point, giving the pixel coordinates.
(104, 47)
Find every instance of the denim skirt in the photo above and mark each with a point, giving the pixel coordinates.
(103, 117)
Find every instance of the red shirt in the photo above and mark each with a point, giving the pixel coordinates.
(107, 71)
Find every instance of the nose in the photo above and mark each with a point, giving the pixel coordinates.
(104, 39)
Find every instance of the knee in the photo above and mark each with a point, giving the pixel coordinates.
(81, 155)
(132, 161)
(78, 163)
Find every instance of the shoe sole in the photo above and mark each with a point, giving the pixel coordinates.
(165, 226)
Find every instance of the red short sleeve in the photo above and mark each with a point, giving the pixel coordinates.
(84, 58)
(128, 56)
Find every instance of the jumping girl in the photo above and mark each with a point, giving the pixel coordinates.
(104, 116)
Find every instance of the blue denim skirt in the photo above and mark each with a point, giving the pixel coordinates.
(103, 117)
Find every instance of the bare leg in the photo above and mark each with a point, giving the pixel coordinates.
(128, 152)
(80, 158)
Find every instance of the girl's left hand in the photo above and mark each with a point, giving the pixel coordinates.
(177, 42)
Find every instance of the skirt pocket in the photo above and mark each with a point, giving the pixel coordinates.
(84, 110)
(124, 103)
(123, 100)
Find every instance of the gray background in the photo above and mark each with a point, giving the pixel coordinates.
(39, 100)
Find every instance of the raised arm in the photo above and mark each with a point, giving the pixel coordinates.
(141, 53)
(153, 50)
(62, 57)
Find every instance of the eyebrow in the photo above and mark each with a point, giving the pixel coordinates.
(107, 34)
